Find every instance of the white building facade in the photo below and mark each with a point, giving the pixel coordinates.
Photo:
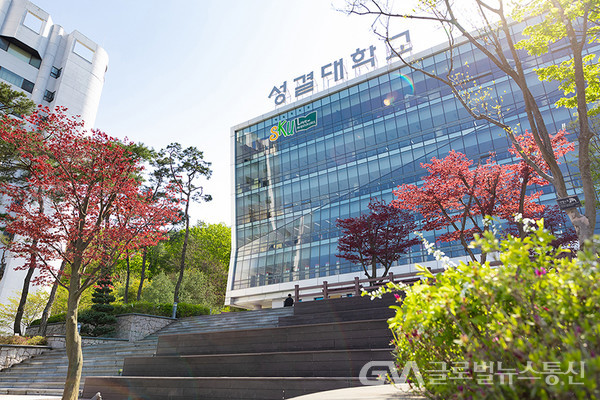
(53, 68)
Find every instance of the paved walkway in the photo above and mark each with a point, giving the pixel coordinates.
(27, 397)
(379, 392)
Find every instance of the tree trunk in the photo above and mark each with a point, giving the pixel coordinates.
(24, 294)
(46, 313)
(30, 271)
(126, 296)
(143, 274)
(73, 341)
(183, 251)
(373, 269)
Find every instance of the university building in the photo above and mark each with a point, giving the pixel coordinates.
(53, 68)
(297, 169)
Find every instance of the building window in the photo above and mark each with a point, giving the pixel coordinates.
(16, 80)
(55, 72)
(83, 51)
(20, 52)
(27, 86)
(49, 96)
(33, 22)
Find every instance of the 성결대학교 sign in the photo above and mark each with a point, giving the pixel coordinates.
(336, 71)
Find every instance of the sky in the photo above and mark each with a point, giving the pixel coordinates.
(188, 71)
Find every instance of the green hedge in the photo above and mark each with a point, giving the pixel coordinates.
(54, 318)
(164, 310)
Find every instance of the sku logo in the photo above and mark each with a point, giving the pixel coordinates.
(288, 128)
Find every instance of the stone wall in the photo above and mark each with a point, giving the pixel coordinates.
(131, 327)
(56, 328)
(135, 327)
(14, 354)
(59, 341)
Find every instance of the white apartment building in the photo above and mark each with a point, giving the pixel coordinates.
(54, 68)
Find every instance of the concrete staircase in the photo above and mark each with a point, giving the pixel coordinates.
(323, 346)
(45, 374)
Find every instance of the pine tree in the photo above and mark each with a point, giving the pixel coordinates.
(99, 321)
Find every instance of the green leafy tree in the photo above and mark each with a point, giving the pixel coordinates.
(160, 290)
(210, 251)
(186, 167)
(574, 23)
(14, 102)
(99, 320)
(14, 169)
(32, 310)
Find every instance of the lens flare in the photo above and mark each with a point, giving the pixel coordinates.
(408, 86)
(389, 99)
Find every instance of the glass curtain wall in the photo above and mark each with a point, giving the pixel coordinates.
(369, 139)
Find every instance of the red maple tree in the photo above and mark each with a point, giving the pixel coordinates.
(94, 209)
(455, 195)
(379, 237)
(528, 175)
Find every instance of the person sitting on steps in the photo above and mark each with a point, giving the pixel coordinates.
(289, 301)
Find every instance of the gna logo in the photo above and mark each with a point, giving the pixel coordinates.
(288, 128)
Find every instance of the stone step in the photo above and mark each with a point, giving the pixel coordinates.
(31, 391)
(42, 379)
(59, 369)
(211, 388)
(337, 316)
(328, 363)
(52, 384)
(330, 336)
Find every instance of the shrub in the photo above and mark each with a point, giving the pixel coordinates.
(184, 310)
(164, 310)
(55, 318)
(539, 312)
(140, 307)
(24, 340)
(143, 307)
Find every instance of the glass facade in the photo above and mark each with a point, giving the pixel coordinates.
(371, 136)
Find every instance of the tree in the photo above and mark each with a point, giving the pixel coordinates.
(377, 238)
(13, 169)
(209, 252)
(33, 308)
(186, 166)
(95, 209)
(157, 185)
(455, 196)
(528, 175)
(14, 102)
(207, 265)
(99, 320)
(160, 290)
(574, 23)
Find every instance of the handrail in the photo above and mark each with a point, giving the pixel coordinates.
(326, 289)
